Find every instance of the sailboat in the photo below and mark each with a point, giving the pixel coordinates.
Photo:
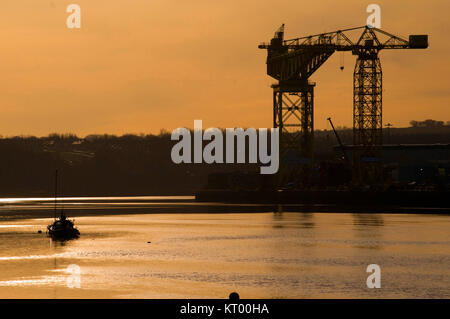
(61, 228)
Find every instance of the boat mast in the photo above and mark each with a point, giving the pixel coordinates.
(56, 191)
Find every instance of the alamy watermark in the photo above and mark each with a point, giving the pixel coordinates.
(374, 280)
(74, 19)
(213, 152)
(374, 19)
(74, 278)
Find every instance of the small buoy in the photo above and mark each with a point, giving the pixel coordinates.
(39, 231)
(342, 68)
(234, 296)
(149, 242)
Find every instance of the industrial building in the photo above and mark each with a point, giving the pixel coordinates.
(413, 163)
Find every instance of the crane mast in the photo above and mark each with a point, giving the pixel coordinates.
(292, 62)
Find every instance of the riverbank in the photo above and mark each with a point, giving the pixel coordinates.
(335, 200)
(25, 208)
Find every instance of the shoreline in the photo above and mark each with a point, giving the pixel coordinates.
(43, 207)
(22, 212)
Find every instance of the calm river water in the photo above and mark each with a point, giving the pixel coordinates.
(154, 249)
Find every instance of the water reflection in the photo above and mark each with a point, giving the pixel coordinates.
(58, 242)
(368, 219)
(275, 253)
(278, 217)
(368, 227)
(304, 220)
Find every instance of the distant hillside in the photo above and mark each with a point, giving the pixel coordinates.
(137, 165)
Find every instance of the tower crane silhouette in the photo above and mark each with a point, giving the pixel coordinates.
(292, 62)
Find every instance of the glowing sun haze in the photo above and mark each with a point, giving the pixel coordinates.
(144, 65)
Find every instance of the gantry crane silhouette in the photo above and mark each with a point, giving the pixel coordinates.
(293, 61)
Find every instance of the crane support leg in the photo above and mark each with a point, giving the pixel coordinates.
(293, 115)
(367, 119)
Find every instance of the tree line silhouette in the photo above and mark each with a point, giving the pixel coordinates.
(109, 165)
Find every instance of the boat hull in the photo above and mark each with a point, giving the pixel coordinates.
(63, 233)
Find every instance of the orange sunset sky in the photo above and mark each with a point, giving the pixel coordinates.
(138, 66)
